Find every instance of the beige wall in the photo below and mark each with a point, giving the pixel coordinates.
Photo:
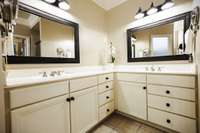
(92, 30)
(121, 18)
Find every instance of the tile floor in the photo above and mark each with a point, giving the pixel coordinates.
(120, 124)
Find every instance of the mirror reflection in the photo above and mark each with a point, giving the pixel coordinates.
(40, 37)
(163, 40)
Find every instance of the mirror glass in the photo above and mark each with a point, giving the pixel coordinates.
(40, 37)
(163, 40)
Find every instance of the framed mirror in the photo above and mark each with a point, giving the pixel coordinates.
(160, 41)
(40, 37)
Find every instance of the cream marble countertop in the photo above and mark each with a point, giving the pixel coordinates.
(32, 77)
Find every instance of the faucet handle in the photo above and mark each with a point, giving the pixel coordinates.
(44, 74)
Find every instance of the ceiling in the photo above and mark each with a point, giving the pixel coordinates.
(108, 4)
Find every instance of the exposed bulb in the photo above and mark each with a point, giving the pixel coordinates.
(50, 1)
(168, 4)
(152, 9)
(64, 5)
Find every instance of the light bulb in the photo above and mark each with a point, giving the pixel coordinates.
(50, 1)
(139, 14)
(64, 5)
(168, 4)
(152, 9)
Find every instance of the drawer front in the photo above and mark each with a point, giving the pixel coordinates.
(82, 83)
(106, 97)
(173, 105)
(27, 95)
(175, 92)
(105, 87)
(131, 77)
(173, 80)
(105, 77)
(171, 121)
(106, 110)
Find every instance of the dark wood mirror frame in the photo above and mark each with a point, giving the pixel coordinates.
(185, 16)
(47, 60)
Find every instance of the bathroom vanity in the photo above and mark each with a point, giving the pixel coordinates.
(77, 102)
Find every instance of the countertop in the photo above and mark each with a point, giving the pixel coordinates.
(13, 80)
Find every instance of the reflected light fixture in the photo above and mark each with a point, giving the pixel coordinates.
(152, 9)
(167, 4)
(139, 14)
(62, 4)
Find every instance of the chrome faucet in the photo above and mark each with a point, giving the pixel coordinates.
(44, 74)
(152, 68)
(53, 73)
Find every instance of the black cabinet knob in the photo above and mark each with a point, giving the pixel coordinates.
(108, 110)
(167, 92)
(168, 104)
(107, 78)
(68, 99)
(168, 121)
(107, 86)
(144, 87)
(72, 98)
(107, 97)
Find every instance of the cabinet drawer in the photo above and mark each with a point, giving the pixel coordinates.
(82, 83)
(105, 87)
(105, 97)
(106, 110)
(172, 105)
(27, 95)
(173, 80)
(105, 77)
(131, 77)
(171, 121)
(175, 92)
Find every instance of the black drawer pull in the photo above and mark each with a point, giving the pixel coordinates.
(168, 121)
(107, 86)
(167, 92)
(144, 87)
(107, 97)
(107, 78)
(72, 98)
(68, 99)
(168, 104)
(108, 110)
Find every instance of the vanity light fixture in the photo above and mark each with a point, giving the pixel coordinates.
(167, 4)
(50, 1)
(62, 4)
(139, 14)
(152, 9)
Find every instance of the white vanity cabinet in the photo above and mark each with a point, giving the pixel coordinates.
(84, 103)
(84, 110)
(40, 108)
(172, 102)
(105, 95)
(131, 94)
(50, 116)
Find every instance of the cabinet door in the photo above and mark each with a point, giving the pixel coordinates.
(131, 98)
(84, 110)
(51, 116)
